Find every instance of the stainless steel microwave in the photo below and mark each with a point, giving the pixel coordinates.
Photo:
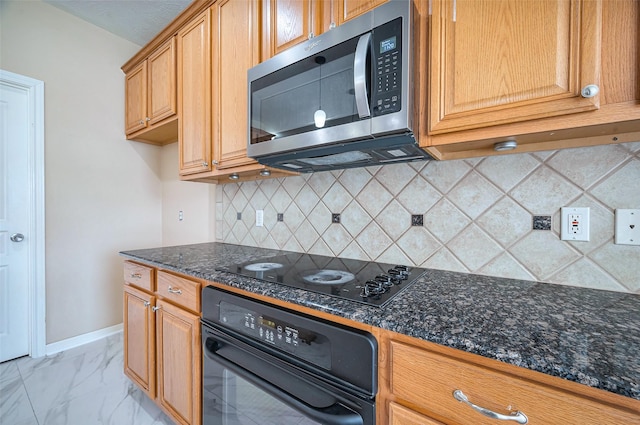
(343, 99)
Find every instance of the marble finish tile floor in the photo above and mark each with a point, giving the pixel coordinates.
(80, 386)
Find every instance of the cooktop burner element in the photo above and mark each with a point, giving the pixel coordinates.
(328, 277)
(362, 281)
(261, 267)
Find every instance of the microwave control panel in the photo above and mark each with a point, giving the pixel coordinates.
(387, 68)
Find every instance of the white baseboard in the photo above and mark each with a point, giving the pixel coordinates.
(79, 340)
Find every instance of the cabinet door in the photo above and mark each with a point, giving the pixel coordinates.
(400, 415)
(289, 22)
(194, 95)
(162, 82)
(349, 9)
(503, 61)
(135, 94)
(236, 49)
(179, 364)
(139, 339)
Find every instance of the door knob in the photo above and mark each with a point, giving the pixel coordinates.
(17, 237)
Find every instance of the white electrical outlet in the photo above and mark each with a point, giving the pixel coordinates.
(574, 224)
(259, 218)
(627, 227)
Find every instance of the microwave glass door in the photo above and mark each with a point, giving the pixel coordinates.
(313, 93)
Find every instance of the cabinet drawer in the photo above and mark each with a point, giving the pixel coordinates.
(428, 380)
(182, 291)
(139, 275)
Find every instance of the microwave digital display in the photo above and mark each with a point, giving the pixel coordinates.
(388, 44)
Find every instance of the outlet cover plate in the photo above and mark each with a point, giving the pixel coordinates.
(627, 226)
(571, 232)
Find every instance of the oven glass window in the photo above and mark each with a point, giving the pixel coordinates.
(313, 93)
(245, 404)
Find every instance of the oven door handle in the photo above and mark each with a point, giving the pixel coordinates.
(335, 414)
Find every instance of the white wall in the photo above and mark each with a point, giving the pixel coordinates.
(103, 193)
(195, 200)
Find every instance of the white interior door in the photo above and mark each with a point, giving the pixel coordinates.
(16, 132)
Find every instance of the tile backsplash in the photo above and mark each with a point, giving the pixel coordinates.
(477, 214)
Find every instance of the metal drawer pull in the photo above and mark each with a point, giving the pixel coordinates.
(154, 309)
(518, 416)
(174, 291)
(147, 303)
(136, 275)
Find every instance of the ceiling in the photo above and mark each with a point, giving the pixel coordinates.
(135, 20)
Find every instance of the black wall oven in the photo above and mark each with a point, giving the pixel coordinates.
(263, 364)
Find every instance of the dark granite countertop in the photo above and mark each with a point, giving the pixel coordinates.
(584, 335)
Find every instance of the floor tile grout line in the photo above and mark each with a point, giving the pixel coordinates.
(33, 410)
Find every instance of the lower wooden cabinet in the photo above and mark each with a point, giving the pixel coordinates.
(139, 339)
(162, 353)
(419, 379)
(400, 415)
(178, 368)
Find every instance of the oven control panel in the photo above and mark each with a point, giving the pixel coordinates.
(295, 340)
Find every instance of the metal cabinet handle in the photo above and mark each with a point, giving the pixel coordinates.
(136, 276)
(205, 164)
(155, 308)
(517, 416)
(174, 291)
(147, 303)
(17, 237)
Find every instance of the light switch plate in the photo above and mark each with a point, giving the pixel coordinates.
(627, 226)
(574, 224)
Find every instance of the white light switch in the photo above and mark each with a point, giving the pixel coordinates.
(627, 226)
(259, 218)
(574, 224)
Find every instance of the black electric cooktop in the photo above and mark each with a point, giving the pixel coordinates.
(362, 281)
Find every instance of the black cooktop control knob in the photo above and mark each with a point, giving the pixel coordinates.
(401, 272)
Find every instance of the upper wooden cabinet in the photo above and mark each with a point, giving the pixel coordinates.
(213, 88)
(349, 9)
(486, 71)
(510, 69)
(235, 49)
(194, 95)
(150, 97)
(161, 69)
(495, 62)
(135, 98)
(290, 22)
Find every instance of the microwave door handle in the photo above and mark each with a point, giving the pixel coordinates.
(360, 76)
